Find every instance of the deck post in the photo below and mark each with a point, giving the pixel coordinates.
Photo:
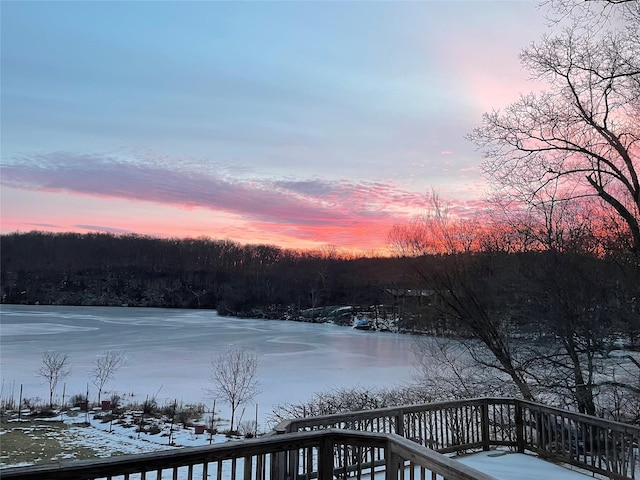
(519, 413)
(292, 472)
(485, 424)
(325, 459)
(247, 467)
(400, 423)
(278, 466)
(393, 464)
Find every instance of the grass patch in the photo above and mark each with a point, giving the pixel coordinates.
(40, 442)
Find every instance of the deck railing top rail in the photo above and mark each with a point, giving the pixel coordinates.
(364, 442)
(275, 457)
(294, 424)
(594, 444)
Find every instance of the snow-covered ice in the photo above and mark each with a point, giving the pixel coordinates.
(169, 354)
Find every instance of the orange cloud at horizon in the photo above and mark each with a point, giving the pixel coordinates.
(71, 192)
(65, 192)
(351, 230)
(63, 212)
(468, 224)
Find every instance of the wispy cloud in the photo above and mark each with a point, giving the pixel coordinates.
(101, 228)
(305, 202)
(354, 214)
(45, 225)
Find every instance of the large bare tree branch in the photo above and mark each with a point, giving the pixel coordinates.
(583, 131)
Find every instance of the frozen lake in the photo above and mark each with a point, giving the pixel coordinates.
(169, 352)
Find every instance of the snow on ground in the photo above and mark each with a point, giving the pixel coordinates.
(86, 430)
(505, 465)
(122, 432)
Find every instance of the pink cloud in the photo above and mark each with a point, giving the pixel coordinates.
(165, 199)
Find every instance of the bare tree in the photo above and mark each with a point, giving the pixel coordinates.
(594, 15)
(234, 377)
(466, 294)
(582, 303)
(435, 232)
(54, 367)
(582, 135)
(105, 367)
(623, 391)
(447, 369)
(342, 400)
(548, 154)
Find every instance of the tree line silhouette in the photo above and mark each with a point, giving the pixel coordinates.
(238, 280)
(421, 292)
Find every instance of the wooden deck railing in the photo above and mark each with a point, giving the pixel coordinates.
(325, 455)
(593, 444)
(394, 443)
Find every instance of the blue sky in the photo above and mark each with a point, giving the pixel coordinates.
(295, 123)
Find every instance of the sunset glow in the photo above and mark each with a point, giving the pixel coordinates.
(298, 124)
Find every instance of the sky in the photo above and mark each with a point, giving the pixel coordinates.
(300, 124)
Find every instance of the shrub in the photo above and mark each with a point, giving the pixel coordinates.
(106, 418)
(154, 429)
(31, 403)
(189, 413)
(115, 402)
(183, 414)
(248, 428)
(45, 412)
(150, 406)
(150, 428)
(77, 399)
